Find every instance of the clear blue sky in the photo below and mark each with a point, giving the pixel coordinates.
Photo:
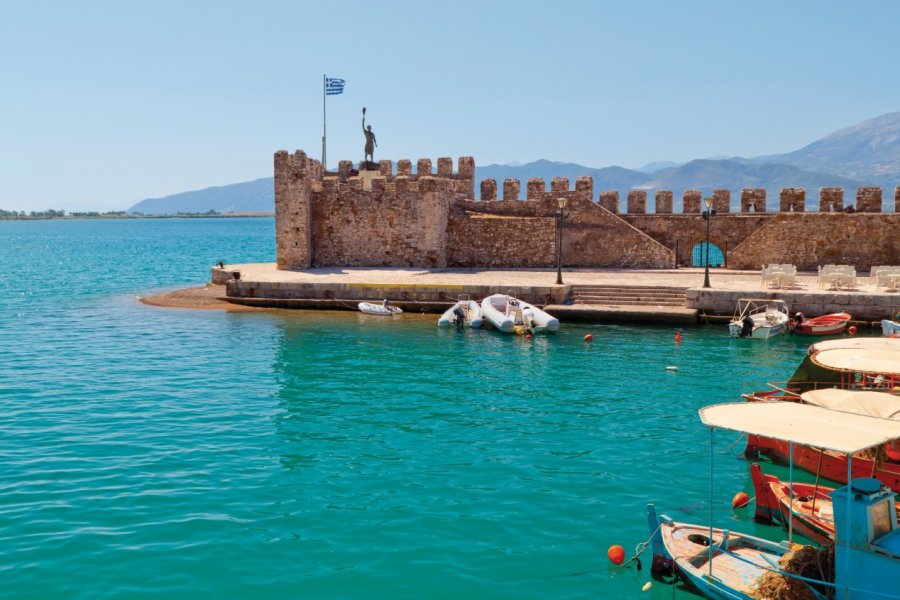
(104, 104)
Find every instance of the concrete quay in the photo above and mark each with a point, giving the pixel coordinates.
(433, 290)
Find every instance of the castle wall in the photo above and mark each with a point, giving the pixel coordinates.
(813, 239)
(430, 219)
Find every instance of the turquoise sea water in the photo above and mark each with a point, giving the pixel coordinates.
(148, 452)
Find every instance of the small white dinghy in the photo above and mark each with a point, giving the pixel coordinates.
(465, 313)
(383, 309)
(511, 315)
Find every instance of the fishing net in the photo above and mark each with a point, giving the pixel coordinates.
(806, 561)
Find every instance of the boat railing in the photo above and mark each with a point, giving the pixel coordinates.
(790, 390)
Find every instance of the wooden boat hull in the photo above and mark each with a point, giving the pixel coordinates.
(833, 324)
(890, 328)
(814, 520)
(833, 466)
(471, 310)
(738, 560)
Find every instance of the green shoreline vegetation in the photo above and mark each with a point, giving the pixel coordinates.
(35, 215)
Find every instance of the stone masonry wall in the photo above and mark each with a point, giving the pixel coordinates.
(430, 219)
(809, 240)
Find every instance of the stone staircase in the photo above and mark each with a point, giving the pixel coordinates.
(615, 295)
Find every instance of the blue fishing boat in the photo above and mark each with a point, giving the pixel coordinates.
(729, 566)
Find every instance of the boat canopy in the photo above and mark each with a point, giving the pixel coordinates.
(857, 343)
(802, 424)
(883, 362)
(874, 404)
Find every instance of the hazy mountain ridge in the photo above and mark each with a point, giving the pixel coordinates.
(867, 153)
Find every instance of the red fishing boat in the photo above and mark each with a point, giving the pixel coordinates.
(832, 324)
(808, 511)
(883, 464)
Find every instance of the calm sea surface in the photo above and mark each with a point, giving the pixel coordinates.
(149, 453)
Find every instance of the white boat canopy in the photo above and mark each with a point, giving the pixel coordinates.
(883, 362)
(873, 404)
(857, 343)
(802, 424)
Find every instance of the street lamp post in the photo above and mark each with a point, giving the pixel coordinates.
(708, 214)
(559, 220)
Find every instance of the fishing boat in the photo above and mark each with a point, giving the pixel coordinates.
(726, 565)
(718, 563)
(891, 329)
(511, 315)
(808, 505)
(882, 464)
(383, 309)
(759, 318)
(832, 324)
(465, 313)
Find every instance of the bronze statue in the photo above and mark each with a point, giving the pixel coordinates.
(370, 138)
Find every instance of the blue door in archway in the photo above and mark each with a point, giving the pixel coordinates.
(716, 258)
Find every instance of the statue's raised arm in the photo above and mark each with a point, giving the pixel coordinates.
(364, 119)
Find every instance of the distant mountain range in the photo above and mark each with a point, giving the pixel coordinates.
(867, 153)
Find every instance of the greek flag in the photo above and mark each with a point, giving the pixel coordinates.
(333, 87)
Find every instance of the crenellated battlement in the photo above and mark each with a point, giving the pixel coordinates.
(428, 215)
(752, 200)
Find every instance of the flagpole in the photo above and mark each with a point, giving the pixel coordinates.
(324, 167)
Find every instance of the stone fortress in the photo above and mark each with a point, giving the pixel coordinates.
(432, 220)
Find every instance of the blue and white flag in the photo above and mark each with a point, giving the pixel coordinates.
(333, 87)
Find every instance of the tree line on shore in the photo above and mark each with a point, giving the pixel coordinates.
(112, 214)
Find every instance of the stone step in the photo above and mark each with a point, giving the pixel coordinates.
(620, 301)
(642, 293)
(653, 291)
(630, 295)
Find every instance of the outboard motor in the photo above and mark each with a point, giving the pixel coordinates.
(459, 316)
(746, 327)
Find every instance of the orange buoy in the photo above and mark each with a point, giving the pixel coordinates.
(616, 554)
(740, 500)
(852, 330)
(677, 337)
(588, 337)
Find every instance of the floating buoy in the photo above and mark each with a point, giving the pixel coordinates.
(588, 337)
(647, 586)
(677, 337)
(671, 368)
(527, 336)
(616, 554)
(852, 330)
(740, 500)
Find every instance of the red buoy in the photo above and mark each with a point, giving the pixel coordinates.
(852, 330)
(740, 500)
(616, 554)
(588, 337)
(677, 337)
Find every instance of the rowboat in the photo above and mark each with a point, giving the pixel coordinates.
(725, 565)
(511, 315)
(759, 318)
(809, 506)
(382, 309)
(735, 560)
(832, 324)
(465, 313)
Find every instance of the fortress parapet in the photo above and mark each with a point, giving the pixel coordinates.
(428, 217)
(691, 201)
(868, 199)
(753, 200)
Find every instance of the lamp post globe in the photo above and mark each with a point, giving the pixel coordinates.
(559, 219)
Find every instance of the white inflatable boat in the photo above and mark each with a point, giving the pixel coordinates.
(465, 313)
(379, 309)
(511, 315)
